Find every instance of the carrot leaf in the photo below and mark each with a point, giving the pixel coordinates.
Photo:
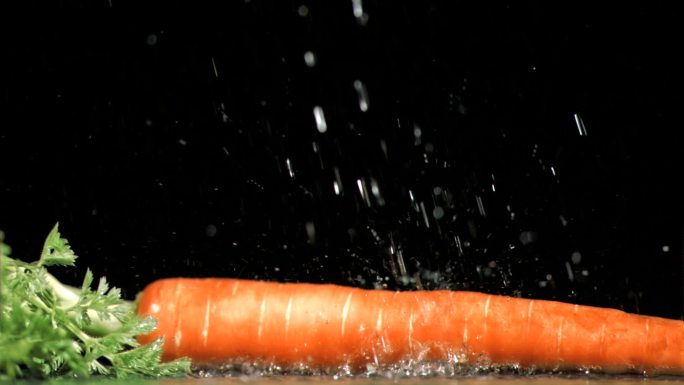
(49, 330)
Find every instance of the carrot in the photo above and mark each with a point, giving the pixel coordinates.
(215, 320)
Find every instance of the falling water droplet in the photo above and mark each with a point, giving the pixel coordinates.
(363, 95)
(290, 171)
(211, 230)
(319, 116)
(303, 10)
(375, 189)
(337, 184)
(310, 233)
(459, 245)
(480, 205)
(417, 133)
(310, 58)
(359, 14)
(425, 217)
(213, 65)
(222, 111)
(363, 190)
(438, 212)
(413, 201)
(571, 274)
(580, 125)
(152, 39)
(576, 257)
(527, 237)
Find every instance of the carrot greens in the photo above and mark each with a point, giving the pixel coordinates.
(48, 329)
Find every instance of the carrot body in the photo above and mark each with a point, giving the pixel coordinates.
(219, 320)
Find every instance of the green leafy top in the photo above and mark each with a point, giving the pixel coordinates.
(48, 329)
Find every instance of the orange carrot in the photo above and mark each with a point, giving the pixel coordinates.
(220, 320)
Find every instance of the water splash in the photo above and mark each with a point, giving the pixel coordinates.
(458, 364)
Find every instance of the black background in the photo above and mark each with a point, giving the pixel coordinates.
(162, 147)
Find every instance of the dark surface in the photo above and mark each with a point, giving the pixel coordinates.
(155, 167)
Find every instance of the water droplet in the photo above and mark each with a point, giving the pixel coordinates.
(310, 58)
(666, 248)
(290, 171)
(182, 142)
(564, 221)
(571, 275)
(417, 133)
(413, 201)
(363, 190)
(459, 246)
(303, 10)
(580, 125)
(425, 217)
(576, 257)
(310, 232)
(527, 237)
(152, 39)
(359, 14)
(222, 111)
(319, 116)
(213, 65)
(480, 205)
(438, 212)
(363, 95)
(337, 184)
(374, 187)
